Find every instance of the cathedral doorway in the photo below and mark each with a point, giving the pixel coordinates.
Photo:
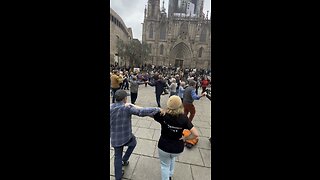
(178, 63)
(180, 55)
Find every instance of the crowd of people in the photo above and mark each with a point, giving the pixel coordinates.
(167, 80)
(182, 86)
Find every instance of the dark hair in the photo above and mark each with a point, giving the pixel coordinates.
(192, 82)
(120, 95)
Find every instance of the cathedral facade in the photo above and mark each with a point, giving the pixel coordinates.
(181, 37)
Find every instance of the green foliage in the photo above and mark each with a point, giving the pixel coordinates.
(134, 51)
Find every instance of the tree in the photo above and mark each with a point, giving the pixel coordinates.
(121, 48)
(134, 51)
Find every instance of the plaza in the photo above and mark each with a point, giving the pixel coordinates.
(192, 164)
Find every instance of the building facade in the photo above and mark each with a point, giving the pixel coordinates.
(181, 38)
(118, 30)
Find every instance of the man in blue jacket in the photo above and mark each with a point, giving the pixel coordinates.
(159, 84)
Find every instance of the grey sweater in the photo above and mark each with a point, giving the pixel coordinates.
(173, 87)
(187, 97)
(134, 85)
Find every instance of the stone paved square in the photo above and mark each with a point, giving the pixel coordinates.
(143, 123)
(155, 125)
(200, 173)
(128, 170)
(145, 147)
(182, 171)
(206, 156)
(144, 133)
(191, 156)
(156, 135)
(192, 164)
(205, 132)
(147, 168)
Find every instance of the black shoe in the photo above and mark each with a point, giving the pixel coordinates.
(170, 178)
(122, 173)
(189, 145)
(125, 163)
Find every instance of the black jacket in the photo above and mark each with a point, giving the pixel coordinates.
(160, 85)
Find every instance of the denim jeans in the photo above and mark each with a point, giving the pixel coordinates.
(113, 92)
(167, 161)
(158, 99)
(118, 156)
(134, 97)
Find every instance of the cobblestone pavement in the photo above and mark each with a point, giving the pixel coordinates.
(192, 164)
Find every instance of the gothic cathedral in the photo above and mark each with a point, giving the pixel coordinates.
(181, 38)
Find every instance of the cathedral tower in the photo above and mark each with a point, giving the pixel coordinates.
(153, 9)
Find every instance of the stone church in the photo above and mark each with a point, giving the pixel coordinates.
(181, 37)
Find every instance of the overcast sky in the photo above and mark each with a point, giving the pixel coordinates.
(132, 13)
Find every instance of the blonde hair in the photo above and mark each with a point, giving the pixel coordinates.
(175, 112)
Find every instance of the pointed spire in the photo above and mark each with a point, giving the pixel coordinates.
(145, 11)
(163, 9)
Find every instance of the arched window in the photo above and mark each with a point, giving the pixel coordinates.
(203, 35)
(151, 31)
(162, 31)
(161, 49)
(200, 52)
(184, 28)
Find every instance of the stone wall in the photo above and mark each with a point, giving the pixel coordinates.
(118, 30)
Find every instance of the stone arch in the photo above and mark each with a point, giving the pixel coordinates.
(200, 52)
(181, 52)
(183, 29)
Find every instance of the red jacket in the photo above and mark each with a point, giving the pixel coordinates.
(205, 83)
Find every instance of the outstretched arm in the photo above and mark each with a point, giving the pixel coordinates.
(140, 111)
(151, 84)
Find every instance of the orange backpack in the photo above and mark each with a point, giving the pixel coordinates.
(190, 142)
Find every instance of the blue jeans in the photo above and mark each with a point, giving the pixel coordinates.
(118, 156)
(167, 161)
(113, 93)
(158, 99)
(134, 97)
